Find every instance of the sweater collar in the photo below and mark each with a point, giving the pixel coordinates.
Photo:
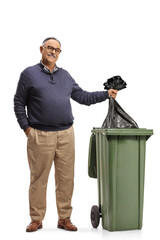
(47, 69)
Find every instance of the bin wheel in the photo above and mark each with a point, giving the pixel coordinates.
(95, 216)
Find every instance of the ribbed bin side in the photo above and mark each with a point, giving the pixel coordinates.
(142, 151)
(99, 168)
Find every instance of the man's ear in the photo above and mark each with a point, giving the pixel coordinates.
(41, 48)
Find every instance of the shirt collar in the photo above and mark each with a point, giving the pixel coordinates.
(47, 69)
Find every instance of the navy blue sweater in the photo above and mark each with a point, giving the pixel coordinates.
(47, 97)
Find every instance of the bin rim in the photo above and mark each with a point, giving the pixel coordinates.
(124, 131)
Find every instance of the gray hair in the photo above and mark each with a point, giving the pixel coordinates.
(45, 40)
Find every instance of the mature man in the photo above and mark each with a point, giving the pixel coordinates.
(46, 91)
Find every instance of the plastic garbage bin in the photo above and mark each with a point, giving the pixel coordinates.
(120, 163)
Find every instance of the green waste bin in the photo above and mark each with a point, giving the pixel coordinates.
(120, 163)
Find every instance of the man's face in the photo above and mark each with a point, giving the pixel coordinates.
(50, 51)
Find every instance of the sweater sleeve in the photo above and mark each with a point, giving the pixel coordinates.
(87, 98)
(20, 102)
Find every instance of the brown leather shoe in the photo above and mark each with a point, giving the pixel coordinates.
(66, 224)
(34, 226)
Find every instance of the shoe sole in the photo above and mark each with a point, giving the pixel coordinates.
(59, 226)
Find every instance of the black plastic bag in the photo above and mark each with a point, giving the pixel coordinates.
(116, 83)
(117, 117)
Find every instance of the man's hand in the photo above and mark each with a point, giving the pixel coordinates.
(112, 93)
(27, 130)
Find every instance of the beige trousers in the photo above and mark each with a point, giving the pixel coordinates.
(44, 147)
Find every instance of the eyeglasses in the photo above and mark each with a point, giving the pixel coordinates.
(57, 50)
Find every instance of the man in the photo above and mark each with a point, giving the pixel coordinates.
(46, 91)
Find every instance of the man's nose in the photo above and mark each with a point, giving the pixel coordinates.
(54, 50)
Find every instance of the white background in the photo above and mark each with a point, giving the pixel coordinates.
(100, 38)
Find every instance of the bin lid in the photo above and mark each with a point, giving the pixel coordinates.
(124, 131)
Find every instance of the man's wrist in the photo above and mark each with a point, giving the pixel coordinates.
(27, 130)
(25, 127)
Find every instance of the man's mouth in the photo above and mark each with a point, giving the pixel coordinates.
(51, 55)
